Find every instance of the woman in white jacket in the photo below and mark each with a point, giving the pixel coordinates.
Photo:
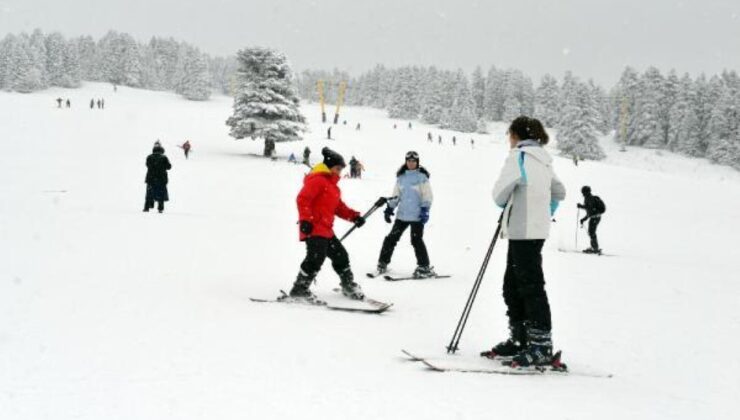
(529, 192)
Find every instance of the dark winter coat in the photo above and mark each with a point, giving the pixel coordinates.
(320, 200)
(592, 205)
(157, 166)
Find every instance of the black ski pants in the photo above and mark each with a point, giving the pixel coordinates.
(593, 223)
(524, 284)
(317, 249)
(417, 241)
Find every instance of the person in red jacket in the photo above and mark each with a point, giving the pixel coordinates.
(318, 202)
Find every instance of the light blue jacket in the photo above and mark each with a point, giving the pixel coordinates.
(413, 191)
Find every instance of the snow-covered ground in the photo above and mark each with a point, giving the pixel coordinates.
(110, 313)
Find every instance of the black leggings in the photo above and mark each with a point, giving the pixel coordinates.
(593, 223)
(317, 249)
(524, 284)
(417, 241)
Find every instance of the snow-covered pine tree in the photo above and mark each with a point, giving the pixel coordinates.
(193, 81)
(462, 112)
(478, 91)
(683, 121)
(624, 102)
(577, 134)
(601, 104)
(547, 101)
(37, 55)
(493, 101)
(55, 51)
(512, 106)
(20, 73)
(724, 128)
(431, 104)
(72, 71)
(648, 127)
(404, 104)
(265, 103)
(87, 50)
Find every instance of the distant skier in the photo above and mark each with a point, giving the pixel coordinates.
(92, 103)
(102, 103)
(319, 201)
(157, 166)
(306, 156)
(440, 139)
(353, 167)
(413, 199)
(115, 88)
(595, 208)
(328, 133)
(344, 122)
(59, 102)
(472, 144)
(454, 141)
(410, 125)
(98, 103)
(357, 127)
(575, 159)
(429, 136)
(395, 126)
(69, 104)
(292, 158)
(529, 191)
(186, 148)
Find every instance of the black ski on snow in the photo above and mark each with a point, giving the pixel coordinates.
(391, 278)
(557, 369)
(375, 307)
(575, 251)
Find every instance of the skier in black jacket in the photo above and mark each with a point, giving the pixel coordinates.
(157, 165)
(595, 208)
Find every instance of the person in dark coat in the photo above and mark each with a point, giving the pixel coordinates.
(306, 156)
(92, 103)
(157, 165)
(595, 208)
(69, 104)
(186, 148)
(59, 102)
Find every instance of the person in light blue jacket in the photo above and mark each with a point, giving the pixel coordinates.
(412, 199)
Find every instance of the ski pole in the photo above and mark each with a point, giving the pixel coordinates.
(452, 347)
(378, 204)
(578, 218)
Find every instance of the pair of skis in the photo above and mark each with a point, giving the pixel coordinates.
(462, 364)
(403, 278)
(367, 305)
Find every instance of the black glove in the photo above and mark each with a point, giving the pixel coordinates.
(583, 221)
(388, 213)
(306, 227)
(359, 221)
(580, 206)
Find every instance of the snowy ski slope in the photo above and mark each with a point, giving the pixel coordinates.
(110, 313)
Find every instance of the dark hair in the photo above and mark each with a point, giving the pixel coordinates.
(529, 128)
(402, 170)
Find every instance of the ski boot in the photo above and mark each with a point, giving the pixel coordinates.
(381, 269)
(516, 342)
(538, 351)
(424, 272)
(301, 291)
(349, 288)
(592, 251)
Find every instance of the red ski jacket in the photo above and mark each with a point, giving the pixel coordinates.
(320, 200)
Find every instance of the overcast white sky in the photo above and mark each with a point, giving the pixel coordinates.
(594, 38)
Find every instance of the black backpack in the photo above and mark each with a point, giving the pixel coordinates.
(599, 205)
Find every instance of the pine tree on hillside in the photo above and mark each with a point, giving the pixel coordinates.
(431, 104)
(512, 108)
(478, 91)
(462, 112)
(194, 82)
(648, 127)
(404, 104)
(265, 101)
(55, 51)
(683, 131)
(87, 51)
(547, 102)
(601, 105)
(493, 99)
(37, 55)
(577, 134)
(481, 127)
(625, 104)
(724, 129)
(72, 71)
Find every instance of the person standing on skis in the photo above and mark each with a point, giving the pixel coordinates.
(157, 165)
(318, 202)
(595, 208)
(412, 197)
(529, 191)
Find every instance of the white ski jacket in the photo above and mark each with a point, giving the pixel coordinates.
(529, 191)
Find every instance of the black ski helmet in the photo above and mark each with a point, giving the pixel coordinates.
(586, 190)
